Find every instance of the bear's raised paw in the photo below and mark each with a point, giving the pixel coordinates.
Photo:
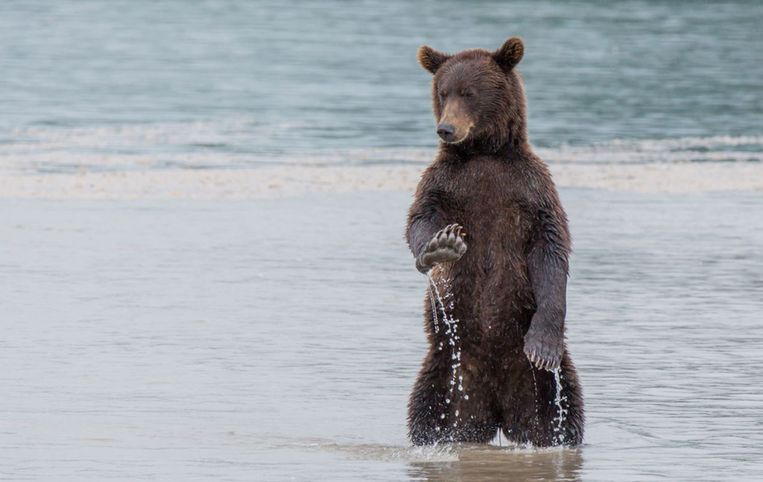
(447, 244)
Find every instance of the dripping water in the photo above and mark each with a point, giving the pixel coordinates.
(451, 329)
(432, 290)
(559, 438)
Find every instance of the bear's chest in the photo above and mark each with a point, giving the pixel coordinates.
(490, 203)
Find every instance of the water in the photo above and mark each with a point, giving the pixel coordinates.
(278, 339)
(445, 303)
(216, 340)
(127, 85)
(433, 295)
(561, 411)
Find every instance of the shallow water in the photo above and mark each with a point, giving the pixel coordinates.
(271, 340)
(125, 85)
(279, 339)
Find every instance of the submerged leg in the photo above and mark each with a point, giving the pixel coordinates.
(535, 413)
(435, 414)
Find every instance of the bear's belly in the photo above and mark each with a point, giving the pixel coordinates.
(492, 293)
(493, 303)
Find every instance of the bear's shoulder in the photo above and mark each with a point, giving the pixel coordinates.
(525, 177)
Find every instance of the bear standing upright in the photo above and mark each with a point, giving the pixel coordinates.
(487, 223)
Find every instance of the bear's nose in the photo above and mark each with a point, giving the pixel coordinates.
(446, 131)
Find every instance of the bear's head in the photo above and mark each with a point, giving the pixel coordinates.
(478, 97)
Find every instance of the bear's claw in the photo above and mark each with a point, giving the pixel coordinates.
(543, 350)
(447, 244)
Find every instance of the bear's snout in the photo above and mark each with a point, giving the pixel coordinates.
(446, 131)
(455, 123)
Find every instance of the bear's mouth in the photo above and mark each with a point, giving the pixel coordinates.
(454, 137)
(453, 134)
(465, 136)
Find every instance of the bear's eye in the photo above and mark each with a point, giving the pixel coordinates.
(467, 93)
(443, 94)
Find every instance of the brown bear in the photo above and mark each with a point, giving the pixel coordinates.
(488, 227)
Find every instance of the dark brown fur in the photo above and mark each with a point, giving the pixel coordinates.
(509, 287)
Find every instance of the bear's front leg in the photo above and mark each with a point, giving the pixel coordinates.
(547, 267)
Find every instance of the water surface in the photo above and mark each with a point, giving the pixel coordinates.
(175, 84)
(279, 339)
(271, 340)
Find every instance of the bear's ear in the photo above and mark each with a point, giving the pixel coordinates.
(430, 58)
(509, 54)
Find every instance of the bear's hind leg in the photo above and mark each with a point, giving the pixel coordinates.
(436, 415)
(424, 406)
(531, 414)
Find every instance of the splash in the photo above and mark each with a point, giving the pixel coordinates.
(559, 438)
(446, 304)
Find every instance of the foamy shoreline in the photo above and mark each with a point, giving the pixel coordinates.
(286, 181)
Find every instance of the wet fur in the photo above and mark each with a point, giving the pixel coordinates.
(511, 280)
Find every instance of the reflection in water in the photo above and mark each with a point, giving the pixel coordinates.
(495, 463)
(464, 462)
